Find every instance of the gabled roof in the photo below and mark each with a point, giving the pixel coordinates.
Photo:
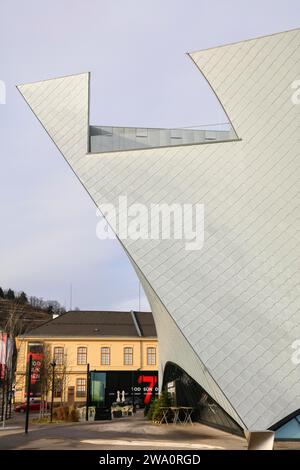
(97, 324)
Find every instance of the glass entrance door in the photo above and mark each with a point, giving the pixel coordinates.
(97, 389)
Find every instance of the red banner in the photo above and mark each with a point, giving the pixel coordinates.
(36, 351)
(37, 359)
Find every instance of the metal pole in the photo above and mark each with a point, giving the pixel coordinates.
(9, 403)
(132, 387)
(139, 296)
(7, 394)
(28, 393)
(143, 395)
(71, 296)
(3, 390)
(53, 364)
(4, 383)
(87, 392)
(11, 386)
(1, 379)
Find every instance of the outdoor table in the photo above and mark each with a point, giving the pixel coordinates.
(187, 414)
(165, 410)
(176, 410)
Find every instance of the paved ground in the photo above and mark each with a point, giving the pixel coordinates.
(124, 433)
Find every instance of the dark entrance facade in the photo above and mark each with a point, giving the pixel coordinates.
(184, 391)
(108, 387)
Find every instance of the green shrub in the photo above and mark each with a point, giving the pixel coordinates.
(146, 409)
(155, 413)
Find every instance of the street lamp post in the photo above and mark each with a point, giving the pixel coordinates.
(28, 393)
(132, 388)
(53, 364)
(87, 392)
(134, 376)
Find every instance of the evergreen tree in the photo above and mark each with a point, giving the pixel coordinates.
(1, 293)
(23, 298)
(10, 295)
(50, 309)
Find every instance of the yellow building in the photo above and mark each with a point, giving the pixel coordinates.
(120, 349)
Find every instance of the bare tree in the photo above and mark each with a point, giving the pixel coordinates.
(13, 326)
(46, 379)
(61, 379)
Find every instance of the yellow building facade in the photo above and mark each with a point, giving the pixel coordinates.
(127, 361)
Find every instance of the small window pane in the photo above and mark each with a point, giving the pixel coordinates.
(141, 132)
(176, 134)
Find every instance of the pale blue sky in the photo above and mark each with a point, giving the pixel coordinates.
(141, 76)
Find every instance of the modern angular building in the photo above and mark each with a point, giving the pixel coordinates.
(226, 315)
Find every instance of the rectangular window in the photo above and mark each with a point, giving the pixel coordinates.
(59, 355)
(128, 356)
(80, 388)
(141, 132)
(151, 356)
(176, 133)
(58, 385)
(81, 356)
(105, 356)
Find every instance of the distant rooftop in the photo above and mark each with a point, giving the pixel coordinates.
(113, 139)
(97, 324)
